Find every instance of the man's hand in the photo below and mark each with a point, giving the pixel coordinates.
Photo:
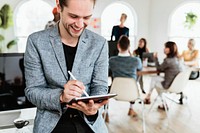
(72, 89)
(90, 108)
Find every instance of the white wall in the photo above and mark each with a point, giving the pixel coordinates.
(152, 16)
(160, 13)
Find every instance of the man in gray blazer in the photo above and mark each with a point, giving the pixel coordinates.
(50, 54)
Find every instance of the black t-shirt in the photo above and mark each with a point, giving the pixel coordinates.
(70, 53)
(66, 124)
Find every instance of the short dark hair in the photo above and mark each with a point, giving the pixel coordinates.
(65, 3)
(124, 42)
(173, 49)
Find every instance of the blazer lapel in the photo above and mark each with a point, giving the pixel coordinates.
(81, 49)
(58, 50)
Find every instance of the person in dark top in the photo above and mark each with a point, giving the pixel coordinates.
(50, 54)
(125, 65)
(119, 30)
(142, 48)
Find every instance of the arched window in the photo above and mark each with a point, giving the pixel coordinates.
(184, 24)
(30, 16)
(111, 16)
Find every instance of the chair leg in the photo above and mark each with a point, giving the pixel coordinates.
(181, 98)
(143, 117)
(189, 110)
(163, 99)
(153, 103)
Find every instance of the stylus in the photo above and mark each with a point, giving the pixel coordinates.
(75, 79)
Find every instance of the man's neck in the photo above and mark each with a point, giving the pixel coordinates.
(124, 53)
(66, 38)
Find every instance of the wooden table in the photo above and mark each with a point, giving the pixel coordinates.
(144, 71)
(147, 70)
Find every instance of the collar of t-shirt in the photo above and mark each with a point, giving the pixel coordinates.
(123, 54)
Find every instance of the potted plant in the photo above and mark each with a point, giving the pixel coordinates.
(5, 22)
(190, 20)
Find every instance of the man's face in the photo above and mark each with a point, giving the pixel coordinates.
(75, 17)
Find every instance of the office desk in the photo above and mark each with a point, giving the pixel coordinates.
(26, 114)
(144, 71)
(26, 129)
(196, 69)
(152, 70)
(147, 70)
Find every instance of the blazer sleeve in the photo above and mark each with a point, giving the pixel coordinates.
(37, 90)
(163, 66)
(99, 83)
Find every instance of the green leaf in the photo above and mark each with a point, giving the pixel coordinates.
(11, 43)
(1, 38)
(190, 20)
(1, 18)
(6, 17)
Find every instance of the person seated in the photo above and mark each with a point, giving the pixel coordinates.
(119, 30)
(142, 48)
(191, 55)
(191, 59)
(125, 65)
(170, 66)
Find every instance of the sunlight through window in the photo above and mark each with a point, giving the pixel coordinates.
(31, 16)
(111, 16)
(179, 30)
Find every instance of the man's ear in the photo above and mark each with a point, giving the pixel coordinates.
(118, 47)
(58, 6)
(129, 48)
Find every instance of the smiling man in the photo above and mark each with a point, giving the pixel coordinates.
(68, 46)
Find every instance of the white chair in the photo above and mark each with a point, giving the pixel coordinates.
(127, 90)
(178, 85)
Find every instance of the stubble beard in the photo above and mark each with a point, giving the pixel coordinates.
(69, 29)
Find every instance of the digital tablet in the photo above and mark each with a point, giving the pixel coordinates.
(97, 98)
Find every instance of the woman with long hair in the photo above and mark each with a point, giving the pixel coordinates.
(170, 66)
(142, 48)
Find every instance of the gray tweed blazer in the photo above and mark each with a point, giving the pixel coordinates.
(46, 73)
